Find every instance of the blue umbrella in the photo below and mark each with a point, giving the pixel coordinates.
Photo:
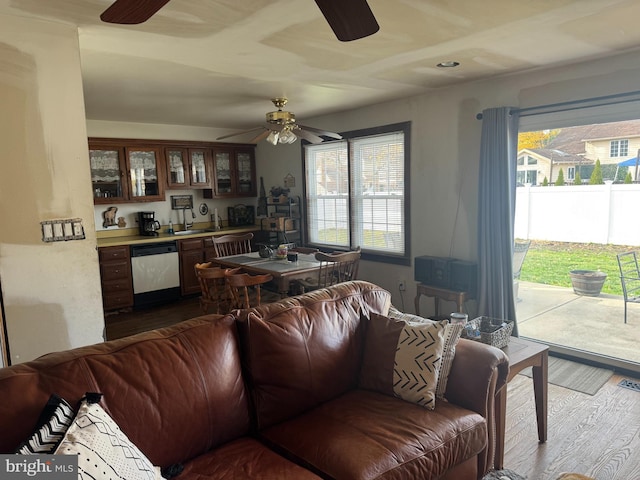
(629, 163)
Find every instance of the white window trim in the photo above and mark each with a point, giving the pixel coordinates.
(356, 225)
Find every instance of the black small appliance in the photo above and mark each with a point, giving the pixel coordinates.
(148, 225)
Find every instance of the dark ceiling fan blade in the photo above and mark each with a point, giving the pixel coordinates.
(349, 19)
(308, 136)
(239, 133)
(131, 12)
(324, 133)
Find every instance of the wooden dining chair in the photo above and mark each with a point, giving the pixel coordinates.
(232, 244)
(213, 287)
(245, 289)
(334, 268)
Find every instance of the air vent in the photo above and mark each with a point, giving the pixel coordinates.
(630, 384)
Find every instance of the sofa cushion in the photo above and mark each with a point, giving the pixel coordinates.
(244, 459)
(366, 435)
(307, 349)
(177, 392)
(403, 358)
(103, 449)
(55, 419)
(451, 336)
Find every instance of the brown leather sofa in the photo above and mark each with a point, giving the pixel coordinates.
(270, 393)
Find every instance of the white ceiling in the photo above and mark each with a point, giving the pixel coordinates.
(216, 63)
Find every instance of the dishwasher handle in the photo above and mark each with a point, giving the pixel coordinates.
(153, 249)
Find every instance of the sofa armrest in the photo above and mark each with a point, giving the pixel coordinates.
(478, 372)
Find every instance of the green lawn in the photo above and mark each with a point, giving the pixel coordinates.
(550, 263)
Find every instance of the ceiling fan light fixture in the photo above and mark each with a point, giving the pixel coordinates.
(287, 136)
(273, 137)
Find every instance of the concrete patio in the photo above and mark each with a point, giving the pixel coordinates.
(557, 316)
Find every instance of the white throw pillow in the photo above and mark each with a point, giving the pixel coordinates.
(104, 451)
(451, 336)
(417, 362)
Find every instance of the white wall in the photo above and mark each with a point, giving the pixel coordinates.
(51, 291)
(445, 151)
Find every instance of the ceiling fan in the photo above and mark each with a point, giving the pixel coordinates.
(349, 19)
(281, 127)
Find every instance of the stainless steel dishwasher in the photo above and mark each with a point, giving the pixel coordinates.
(155, 268)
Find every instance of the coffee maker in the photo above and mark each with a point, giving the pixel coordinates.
(148, 225)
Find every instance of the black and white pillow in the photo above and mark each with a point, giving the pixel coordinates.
(103, 450)
(53, 423)
(451, 336)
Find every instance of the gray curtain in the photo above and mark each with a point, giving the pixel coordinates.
(496, 211)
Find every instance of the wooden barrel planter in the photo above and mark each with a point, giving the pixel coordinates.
(587, 282)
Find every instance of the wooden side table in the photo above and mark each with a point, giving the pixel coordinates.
(523, 353)
(437, 293)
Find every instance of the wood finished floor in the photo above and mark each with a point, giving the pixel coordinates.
(595, 435)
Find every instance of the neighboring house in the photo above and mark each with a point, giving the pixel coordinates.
(577, 147)
(536, 164)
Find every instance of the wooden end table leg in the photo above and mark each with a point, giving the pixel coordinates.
(416, 303)
(540, 377)
(436, 305)
(500, 414)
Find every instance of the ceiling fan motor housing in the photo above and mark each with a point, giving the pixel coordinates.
(281, 117)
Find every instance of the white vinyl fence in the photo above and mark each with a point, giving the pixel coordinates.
(606, 214)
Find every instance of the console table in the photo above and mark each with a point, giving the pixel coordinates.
(440, 293)
(523, 353)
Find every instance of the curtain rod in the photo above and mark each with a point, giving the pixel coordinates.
(576, 104)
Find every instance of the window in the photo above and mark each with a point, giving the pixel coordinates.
(619, 148)
(571, 173)
(357, 191)
(532, 161)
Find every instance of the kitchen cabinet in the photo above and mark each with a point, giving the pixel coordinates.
(191, 251)
(188, 167)
(108, 173)
(234, 172)
(126, 173)
(132, 170)
(115, 277)
(146, 173)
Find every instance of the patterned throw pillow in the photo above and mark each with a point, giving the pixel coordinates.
(103, 450)
(55, 419)
(403, 359)
(451, 336)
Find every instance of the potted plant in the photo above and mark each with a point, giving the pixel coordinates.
(587, 282)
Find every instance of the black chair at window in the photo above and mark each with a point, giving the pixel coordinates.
(630, 278)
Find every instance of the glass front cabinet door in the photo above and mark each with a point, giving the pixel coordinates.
(145, 174)
(177, 167)
(199, 161)
(234, 172)
(108, 174)
(188, 167)
(246, 172)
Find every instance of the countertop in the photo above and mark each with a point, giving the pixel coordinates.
(112, 238)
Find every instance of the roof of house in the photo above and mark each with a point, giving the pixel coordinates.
(558, 156)
(572, 139)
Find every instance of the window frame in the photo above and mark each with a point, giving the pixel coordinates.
(616, 148)
(370, 255)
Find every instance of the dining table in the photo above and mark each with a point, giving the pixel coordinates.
(283, 270)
